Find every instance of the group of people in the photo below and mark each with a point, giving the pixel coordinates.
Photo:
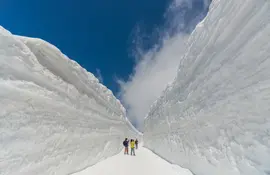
(133, 144)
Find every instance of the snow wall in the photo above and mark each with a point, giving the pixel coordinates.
(55, 117)
(214, 119)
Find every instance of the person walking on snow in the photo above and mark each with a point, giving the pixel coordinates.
(136, 143)
(125, 143)
(132, 146)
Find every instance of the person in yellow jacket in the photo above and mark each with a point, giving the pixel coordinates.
(132, 146)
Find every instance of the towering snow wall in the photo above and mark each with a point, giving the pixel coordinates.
(214, 119)
(55, 117)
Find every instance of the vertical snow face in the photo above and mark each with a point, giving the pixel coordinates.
(55, 117)
(214, 119)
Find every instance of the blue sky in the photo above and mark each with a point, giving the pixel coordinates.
(95, 33)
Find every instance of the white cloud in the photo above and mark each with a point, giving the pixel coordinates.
(156, 67)
(99, 76)
(151, 76)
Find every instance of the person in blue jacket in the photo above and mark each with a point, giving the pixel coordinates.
(125, 143)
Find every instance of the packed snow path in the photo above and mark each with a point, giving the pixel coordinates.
(144, 163)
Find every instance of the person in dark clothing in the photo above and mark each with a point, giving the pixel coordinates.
(125, 143)
(136, 143)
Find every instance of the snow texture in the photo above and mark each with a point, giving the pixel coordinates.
(55, 117)
(214, 119)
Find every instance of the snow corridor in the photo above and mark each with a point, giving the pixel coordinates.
(144, 163)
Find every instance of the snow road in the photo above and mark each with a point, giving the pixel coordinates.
(144, 163)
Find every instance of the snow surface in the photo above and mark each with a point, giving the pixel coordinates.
(144, 163)
(214, 119)
(55, 117)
